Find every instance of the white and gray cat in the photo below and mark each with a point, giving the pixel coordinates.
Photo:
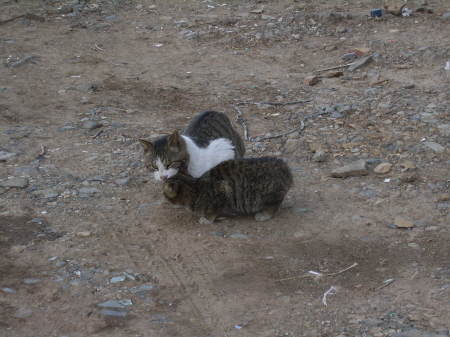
(209, 139)
(247, 186)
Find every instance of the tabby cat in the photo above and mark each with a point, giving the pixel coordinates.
(206, 141)
(247, 186)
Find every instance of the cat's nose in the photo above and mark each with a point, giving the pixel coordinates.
(163, 177)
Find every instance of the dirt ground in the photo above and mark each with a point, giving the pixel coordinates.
(87, 246)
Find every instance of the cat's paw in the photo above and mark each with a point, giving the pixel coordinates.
(204, 221)
(262, 216)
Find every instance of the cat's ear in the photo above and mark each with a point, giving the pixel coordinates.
(170, 189)
(174, 141)
(146, 145)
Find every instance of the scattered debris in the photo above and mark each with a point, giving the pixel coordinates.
(331, 291)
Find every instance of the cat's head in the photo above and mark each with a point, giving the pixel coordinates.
(177, 191)
(165, 156)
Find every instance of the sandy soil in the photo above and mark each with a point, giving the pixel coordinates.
(89, 226)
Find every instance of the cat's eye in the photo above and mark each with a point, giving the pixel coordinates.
(175, 164)
(152, 168)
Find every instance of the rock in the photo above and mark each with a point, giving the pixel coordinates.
(26, 170)
(357, 168)
(394, 6)
(51, 195)
(444, 197)
(330, 17)
(310, 80)
(20, 182)
(111, 304)
(143, 291)
(435, 146)
(444, 129)
(403, 223)
(360, 63)
(82, 87)
(117, 279)
(113, 313)
(377, 45)
(334, 73)
(382, 168)
(91, 125)
(31, 280)
(341, 30)
(336, 114)
(83, 234)
(124, 181)
(75, 282)
(349, 56)
(5, 155)
(9, 290)
(100, 177)
(293, 144)
(310, 45)
(238, 235)
(409, 165)
(21, 62)
(88, 191)
(61, 264)
(319, 156)
(445, 17)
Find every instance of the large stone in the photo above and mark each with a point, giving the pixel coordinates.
(403, 223)
(310, 80)
(330, 17)
(360, 63)
(394, 6)
(20, 182)
(292, 144)
(357, 168)
(435, 146)
(445, 17)
(383, 168)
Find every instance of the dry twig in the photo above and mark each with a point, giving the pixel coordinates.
(386, 283)
(243, 122)
(331, 68)
(318, 274)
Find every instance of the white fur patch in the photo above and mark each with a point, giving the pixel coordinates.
(163, 173)
(204, 159)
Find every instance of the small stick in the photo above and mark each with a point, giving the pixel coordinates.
(242, 121)
(11, 19)
(42, 150)
(386, 283)
(96, 48)
(333, 274)
(342, 66)
(99, 48)
(97, 133)
(414, 275)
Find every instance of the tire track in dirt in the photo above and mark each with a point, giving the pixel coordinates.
(184, 277)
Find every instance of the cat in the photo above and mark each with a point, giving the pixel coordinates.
(249, 185)
(209, 139)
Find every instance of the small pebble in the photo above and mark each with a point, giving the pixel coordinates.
(31, 280)
(117, 279)
(107, 312)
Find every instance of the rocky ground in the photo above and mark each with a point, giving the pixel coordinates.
(360, 246)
